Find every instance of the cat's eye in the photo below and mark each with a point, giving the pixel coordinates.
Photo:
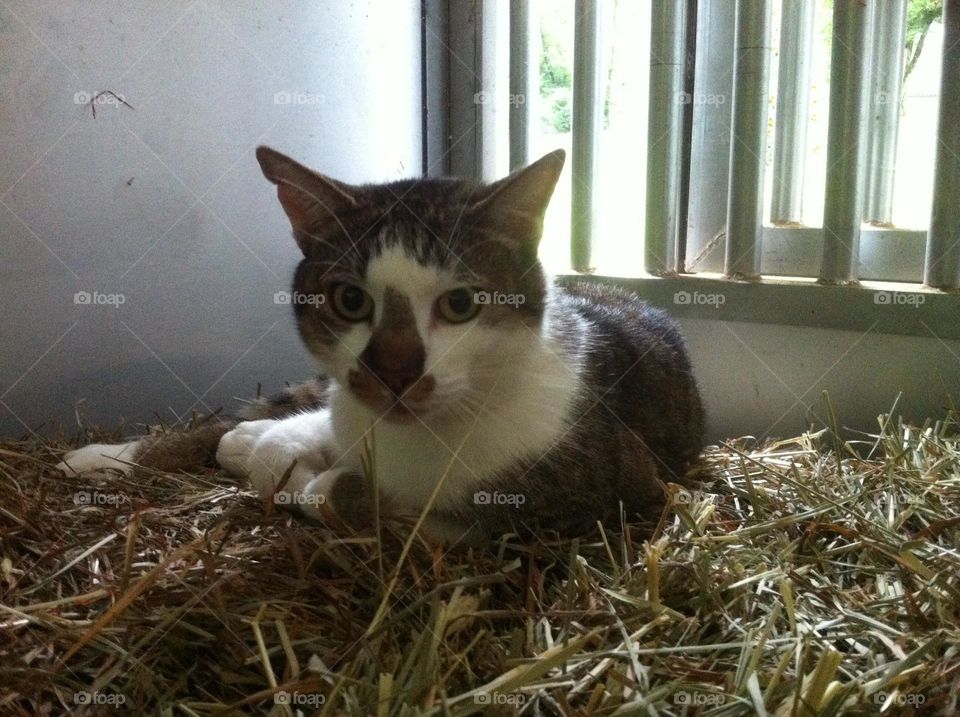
(459, 305)
(351, 302)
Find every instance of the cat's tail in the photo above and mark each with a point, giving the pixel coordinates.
(195, 446)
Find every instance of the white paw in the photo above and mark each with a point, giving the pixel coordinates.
(271, 458)
(235, 446)
(98, 456)
(274, 453)
(308, 491)
(264, 450)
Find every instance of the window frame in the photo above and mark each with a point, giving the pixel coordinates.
(476, 144)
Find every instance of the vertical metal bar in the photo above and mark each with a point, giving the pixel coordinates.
(942, 266)
(749, 139)
(889, 32)
(495, 81)
(478, 89)
(664, 134)
(710, 145)
(464, 139)
(686, 131)
(588, 100)
(846, 145)
(436, 87)
(793, 102)
(524, 79)
(424, 93)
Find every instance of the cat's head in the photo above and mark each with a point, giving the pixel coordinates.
(417, 295)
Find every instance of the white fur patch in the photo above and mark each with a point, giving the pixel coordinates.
(263, 450)
(99, 456)
(396, 269)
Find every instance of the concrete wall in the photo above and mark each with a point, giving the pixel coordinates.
(163, 204)
(767, 380)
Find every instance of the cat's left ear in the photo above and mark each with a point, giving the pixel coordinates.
(515, 205)
(313, 202)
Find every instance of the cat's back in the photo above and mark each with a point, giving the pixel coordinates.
(637, 366)
(619, 313)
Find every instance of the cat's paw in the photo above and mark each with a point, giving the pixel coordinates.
(236, 446)
(310, 492)
(274, 453)
(98, 456)
(262, 451)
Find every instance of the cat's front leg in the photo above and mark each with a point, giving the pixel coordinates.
(264, 450)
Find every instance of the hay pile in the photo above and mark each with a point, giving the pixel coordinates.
(793, 584)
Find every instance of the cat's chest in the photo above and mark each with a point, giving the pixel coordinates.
(411, 458)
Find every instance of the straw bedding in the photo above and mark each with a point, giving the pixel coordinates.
(807, 576)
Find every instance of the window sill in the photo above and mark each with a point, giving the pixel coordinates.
(881, 307)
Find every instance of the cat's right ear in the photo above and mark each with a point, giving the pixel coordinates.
(313, 203)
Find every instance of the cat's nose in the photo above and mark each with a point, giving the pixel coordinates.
(399, 380)
(396, 358)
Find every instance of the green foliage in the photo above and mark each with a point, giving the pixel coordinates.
(555, 84)
(920, 15)
(556, 80)
(554, 65)
(561, 111)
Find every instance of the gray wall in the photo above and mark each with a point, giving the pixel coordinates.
(767, 380)
(164, 203)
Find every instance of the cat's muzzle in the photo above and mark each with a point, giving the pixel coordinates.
(396, 400)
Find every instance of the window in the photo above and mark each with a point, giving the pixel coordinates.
(814, 98)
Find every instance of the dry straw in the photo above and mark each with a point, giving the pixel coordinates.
(792, 583)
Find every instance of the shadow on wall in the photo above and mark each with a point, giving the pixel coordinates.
(91, 396)
(158, 197)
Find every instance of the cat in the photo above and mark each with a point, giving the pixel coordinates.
(455, 373)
